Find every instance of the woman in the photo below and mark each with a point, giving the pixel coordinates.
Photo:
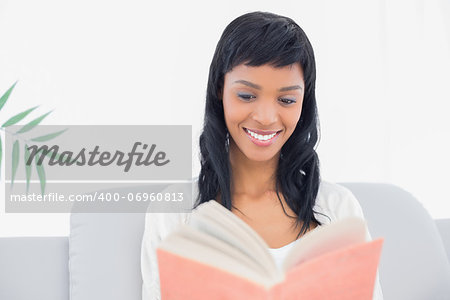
(258, 155)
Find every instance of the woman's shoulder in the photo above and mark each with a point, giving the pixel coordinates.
(160, 224)
(163, 223)
(337, 201)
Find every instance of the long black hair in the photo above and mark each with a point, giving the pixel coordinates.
(255, 39)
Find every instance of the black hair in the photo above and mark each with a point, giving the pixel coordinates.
(255, 39)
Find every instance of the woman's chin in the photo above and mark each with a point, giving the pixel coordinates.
(260, 157)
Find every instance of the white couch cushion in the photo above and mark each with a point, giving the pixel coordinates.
(104, 255)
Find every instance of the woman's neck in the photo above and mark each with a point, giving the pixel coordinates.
(251, 178)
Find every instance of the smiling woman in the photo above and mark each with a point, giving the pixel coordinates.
(257, 148)
(261, 83)
(260, 110)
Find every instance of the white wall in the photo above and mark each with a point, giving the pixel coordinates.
(382, 68)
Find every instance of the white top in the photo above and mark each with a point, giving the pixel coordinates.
(333, 200)
(280, 253)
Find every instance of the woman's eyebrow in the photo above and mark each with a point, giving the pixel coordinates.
(255, 86)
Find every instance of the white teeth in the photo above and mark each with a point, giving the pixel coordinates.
(261, 137)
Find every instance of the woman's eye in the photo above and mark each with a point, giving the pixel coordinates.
(287, 101)
(246, 96)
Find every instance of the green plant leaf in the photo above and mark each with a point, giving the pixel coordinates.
(48, 137)
(27, 167)
(6, 95)
(15, 160)
(41, 174)
(1, 156)
(32, 124)
(18, 117)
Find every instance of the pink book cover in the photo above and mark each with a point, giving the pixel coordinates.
(346, 273)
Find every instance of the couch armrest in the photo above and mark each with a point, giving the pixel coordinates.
(444, 229)
(34, 268)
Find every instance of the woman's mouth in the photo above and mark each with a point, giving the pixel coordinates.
(262, 139)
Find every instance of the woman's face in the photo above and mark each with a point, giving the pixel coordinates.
(265, 101)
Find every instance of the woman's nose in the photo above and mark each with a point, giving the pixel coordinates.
(265, 112)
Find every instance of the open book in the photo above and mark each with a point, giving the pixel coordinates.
(219, 256)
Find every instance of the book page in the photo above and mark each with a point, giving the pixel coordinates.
(213, 218)
(209, 225)
(198, 246)
(326, 238)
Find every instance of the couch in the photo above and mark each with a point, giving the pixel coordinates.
(100, 259)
